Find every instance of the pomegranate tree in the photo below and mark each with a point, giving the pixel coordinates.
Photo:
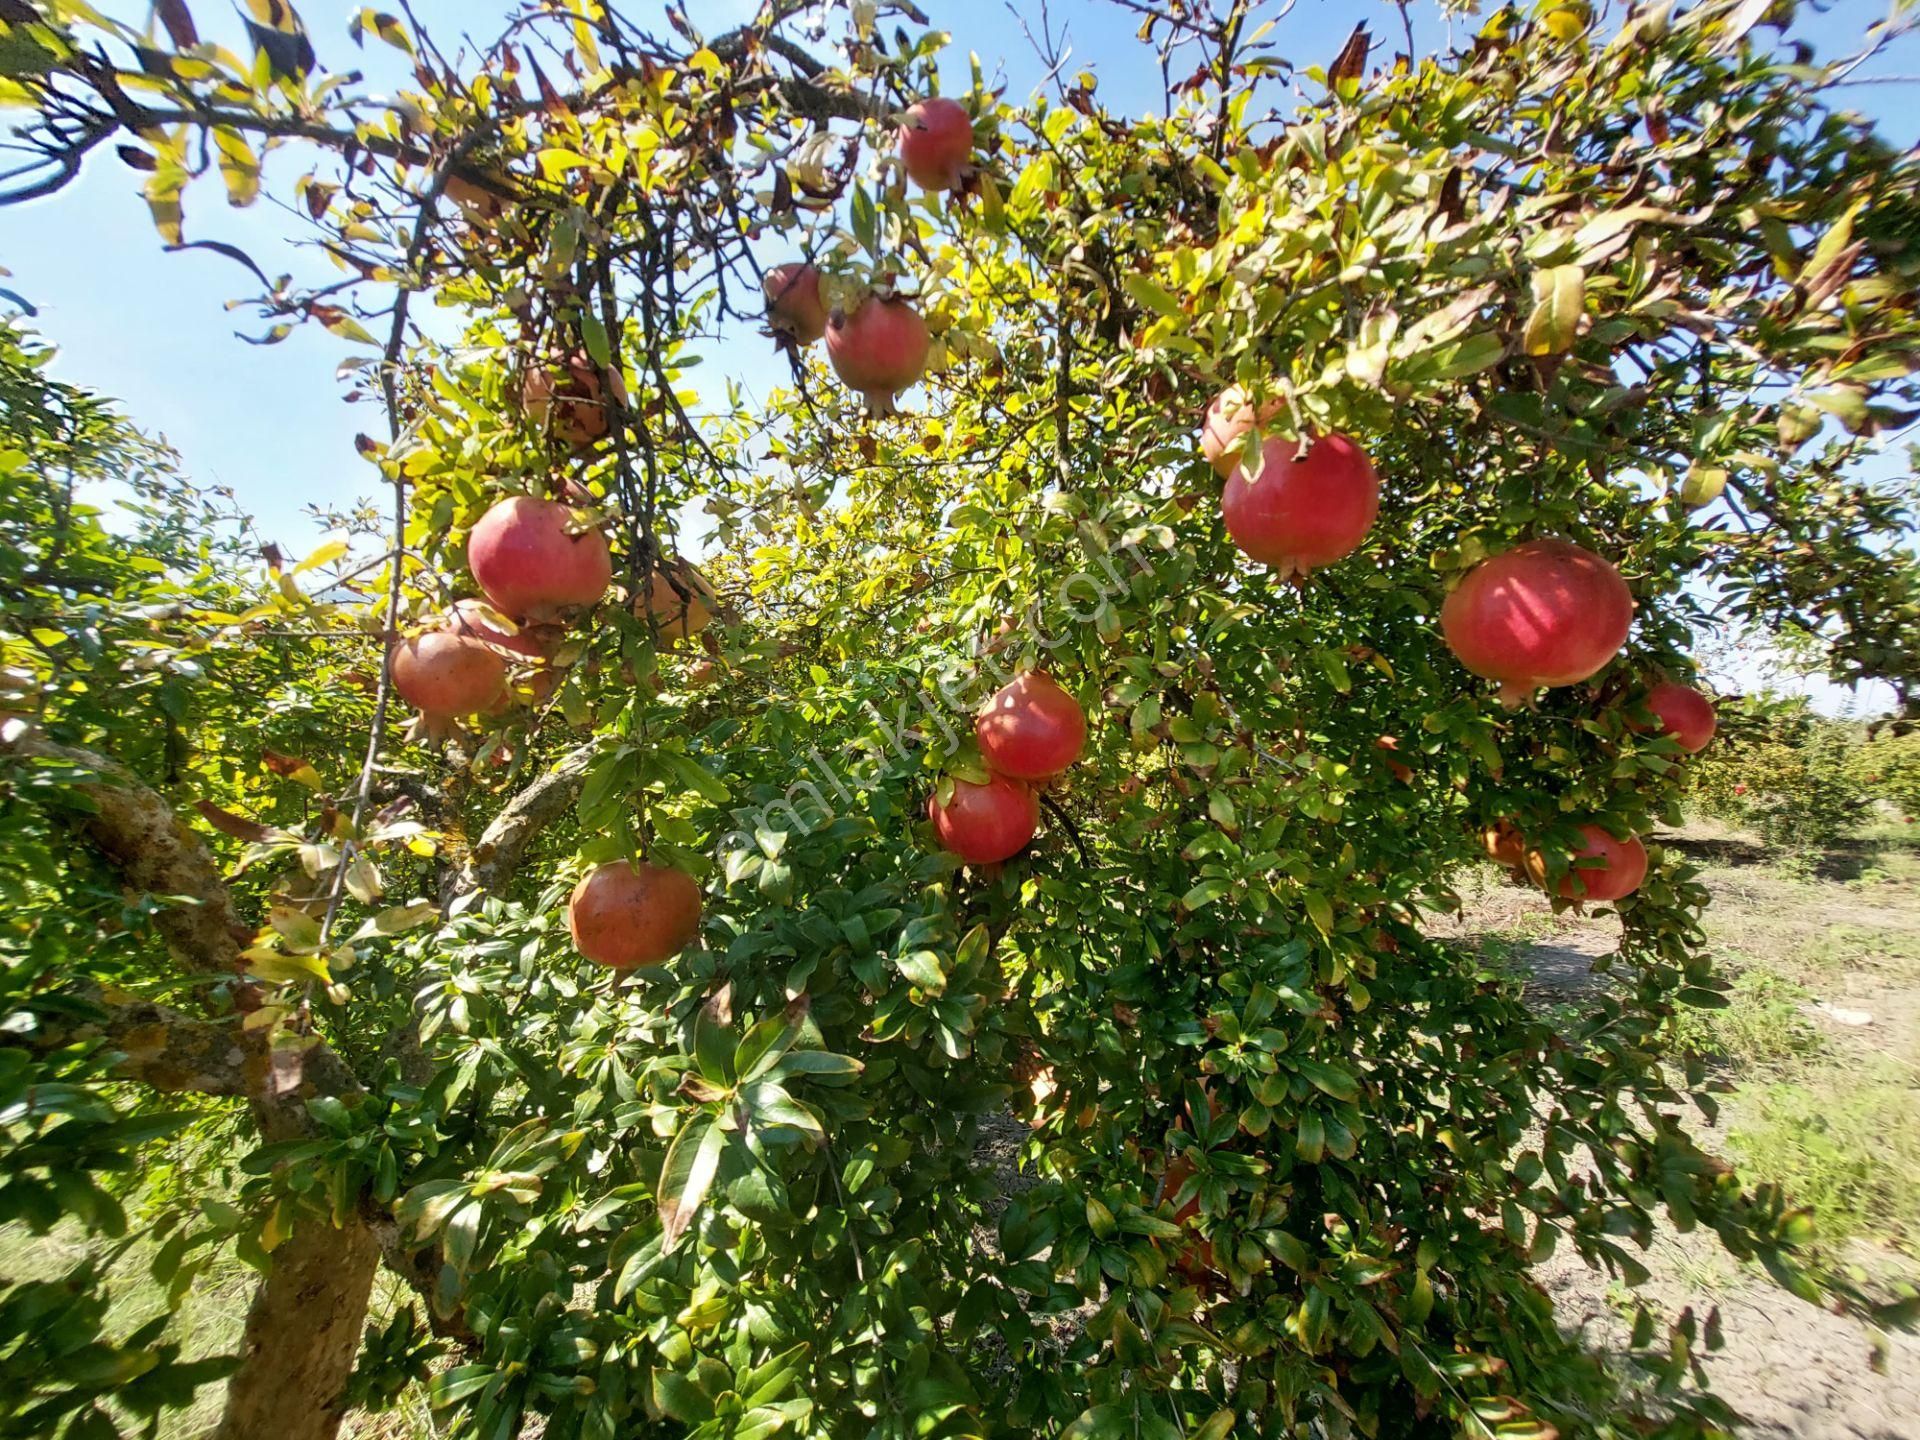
(442, 673)
(794, 308)
(1231, 415)
(985, 823)
(1547, 612)
(538, 560)
(1301, 510)
(624, 915)
(936, 143)
(1031, 729)
(1685, 715)
(878, 350)
(1602, 869)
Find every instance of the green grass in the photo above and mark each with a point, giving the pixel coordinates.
(1844, 1141)
(1764, 1025)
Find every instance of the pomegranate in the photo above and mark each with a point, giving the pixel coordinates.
(442, 674)
(1401, 771)
(675, 616)
(793, 303)
(985, 823)
(1602, 869)
(1684, 714)
(584, 414)
(936, 143)
(1197, 1255)
(478, 620)
(535, 560)
(1229, 418)
(1504, 846)
(879, 350)
(1301, 511)
(1031, 729)
(625, 915)
(1543, 613)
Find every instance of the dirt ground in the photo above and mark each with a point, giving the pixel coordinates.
(1832, 948)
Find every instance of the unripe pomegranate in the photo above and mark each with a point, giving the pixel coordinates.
(936, 143)
(536, 562)
(584, 415)
(1031, 729)
(1603, 869)
(677, 617)
(477, 620)
(625, 915)
(794, 308)
(879, 350)
(1297, 514)
(1229, 418)
(1543, 613)
(1684, 714)
(985, 823)
(443, 674)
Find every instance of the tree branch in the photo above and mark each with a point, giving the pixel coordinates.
(497, 853)
(139, 833)
(169, 1051)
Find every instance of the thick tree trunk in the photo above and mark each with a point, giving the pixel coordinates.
(302, 1335)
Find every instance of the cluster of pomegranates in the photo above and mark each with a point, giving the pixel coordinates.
(539, 566)
(1545, 613)
(880, 346)
(1029, 732)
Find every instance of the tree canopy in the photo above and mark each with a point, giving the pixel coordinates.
(1631, 280)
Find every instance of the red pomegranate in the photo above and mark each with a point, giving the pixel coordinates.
(1684, 714)
(985, 823)
(440, 673)
(879, 350)
(936, 143)
(625, 915)
(1543, 613)
(1031, 729)
(478, 620)
(1603, 869)
(584, 415)
(535, 560)
(793, 302)
(1302, 511)
(1229, 418)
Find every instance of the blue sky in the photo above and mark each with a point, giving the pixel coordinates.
(152, 328)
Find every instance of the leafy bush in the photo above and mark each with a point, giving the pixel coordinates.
(1888, 767)
(1784, 771)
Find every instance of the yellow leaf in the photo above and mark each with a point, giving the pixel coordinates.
(325, 555)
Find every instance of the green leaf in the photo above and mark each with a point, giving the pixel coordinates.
(1328, 1079)
(593, 335)
(1153, 295)
(1559, 301)
(692, 1161)
(923, 968)
(761, 1048)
